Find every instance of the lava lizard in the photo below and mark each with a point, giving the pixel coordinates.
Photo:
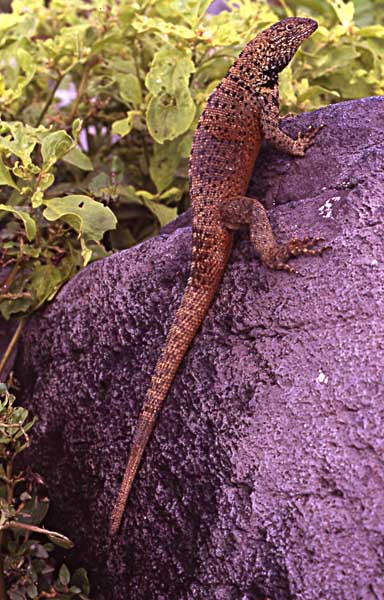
(241, 111)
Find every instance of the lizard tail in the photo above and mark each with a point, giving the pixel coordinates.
(189, 316)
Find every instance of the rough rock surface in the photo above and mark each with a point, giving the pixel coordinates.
(265, 476)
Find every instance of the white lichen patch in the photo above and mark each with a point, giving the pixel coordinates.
(326, 209)
(322, 377)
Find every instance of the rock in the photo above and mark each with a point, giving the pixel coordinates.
(265, 475)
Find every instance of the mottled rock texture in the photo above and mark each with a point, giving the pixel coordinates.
(265, 476)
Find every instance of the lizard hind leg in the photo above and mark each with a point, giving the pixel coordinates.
(244, 210)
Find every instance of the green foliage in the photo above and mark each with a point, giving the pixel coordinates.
(343, 61)
(26, 568)
(139, 73)
(48, 237)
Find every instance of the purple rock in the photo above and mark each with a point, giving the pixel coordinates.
(265, 474)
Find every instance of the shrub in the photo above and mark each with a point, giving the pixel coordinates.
(27, 569)
(99, 101)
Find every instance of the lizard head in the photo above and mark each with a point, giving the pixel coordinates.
(272, 49)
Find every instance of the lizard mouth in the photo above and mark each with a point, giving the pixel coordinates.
(311, 26)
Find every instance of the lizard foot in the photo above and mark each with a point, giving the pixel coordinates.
(306, 139)
(295, 247)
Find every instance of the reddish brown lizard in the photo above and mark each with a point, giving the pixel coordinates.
(243, 109)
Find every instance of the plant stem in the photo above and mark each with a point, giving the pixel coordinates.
(80, 91)
(36, 529)
(50, 99)
(11, 346)
(137, 69)
(15, 296)
(8, 280)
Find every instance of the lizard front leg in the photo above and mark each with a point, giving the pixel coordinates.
(241, 210)
(268, 104)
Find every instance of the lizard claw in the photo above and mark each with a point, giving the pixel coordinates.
(286, 267)
(306, 139)
(293, 248)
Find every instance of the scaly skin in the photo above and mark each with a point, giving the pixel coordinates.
(243, 109)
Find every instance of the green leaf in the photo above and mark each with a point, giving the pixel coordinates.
(13, 307)
(59, 587)
(86, 216)
(164, 162)
(64, 575)
(60, 540)
(99, 185)
(37, 199)
(5, 176)
(170, 71)
(164, 214)
(19, 415)
(171, 109)
(32, 591)
(317, 90)
(344, 11)
(76, 128)
(28, 222)
(74, 589)
(142, 23)
(190, 10)
(34, 511)
(46, 180)
(80, 579)
(336, 60)
(372, 31)
(8, 20)
(79, 159)
(27, 63)
(22, 144)
(124, 126)
(54, 146)
(45, 280)
(170, 116)
(130, 89)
